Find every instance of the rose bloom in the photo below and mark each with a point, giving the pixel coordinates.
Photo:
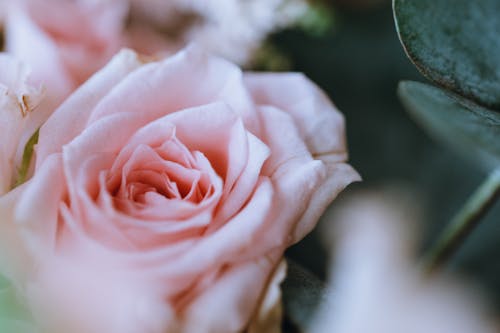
(164, 194)
(65, 42)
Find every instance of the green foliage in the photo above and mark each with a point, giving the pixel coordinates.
(27, 155)
(468, 127)
(13, 317)
(318, 19)
(303, 292)
(454, 43)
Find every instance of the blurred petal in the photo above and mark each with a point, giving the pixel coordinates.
(376, 288)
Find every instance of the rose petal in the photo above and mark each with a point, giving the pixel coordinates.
(15, 260)
(235, 291)
(37, 211)
(338, 177)
(319, 123)
(73, 114)
(238, 191)
(228, 243)
(188, 79)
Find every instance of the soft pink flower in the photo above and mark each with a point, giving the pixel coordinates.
(65, 42)
(164, 194)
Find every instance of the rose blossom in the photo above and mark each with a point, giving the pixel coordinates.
(165, 193)
(67, 41)
(64, 42)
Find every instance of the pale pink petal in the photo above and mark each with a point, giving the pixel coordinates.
(15, 260)
(293, 171)
(239, 190)
(188, 79)
(37, 211)
(73, 114)
(229, 243)
(280, 133)
(288, 148)
(319, 123)
(338, 176)
(211, 129)
(238, 290)
(82, 300)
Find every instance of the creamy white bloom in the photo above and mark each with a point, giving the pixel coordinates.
(377, 288)
(231, 28)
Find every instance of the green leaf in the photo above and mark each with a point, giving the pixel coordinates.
(455, 43)
(466, 126)
(27, 155)
(13, 316)
(317, 20)
(302, 294)
(16, 326)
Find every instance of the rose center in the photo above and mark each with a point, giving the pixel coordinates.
(152, 175)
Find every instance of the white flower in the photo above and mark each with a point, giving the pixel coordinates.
(377, 289)
(233, 29)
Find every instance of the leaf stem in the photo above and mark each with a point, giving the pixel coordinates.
(464, 222)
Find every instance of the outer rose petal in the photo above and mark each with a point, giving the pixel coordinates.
(187, 79)
(236, 292)
(37, 209)
(74, 113)
(191, 77)
(111, 301)
(318, 123)
(15, 260)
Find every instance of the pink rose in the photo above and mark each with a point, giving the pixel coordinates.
(164, 194)
(64, 42)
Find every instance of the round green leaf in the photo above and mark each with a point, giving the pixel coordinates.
(468, 127)
(455, 43)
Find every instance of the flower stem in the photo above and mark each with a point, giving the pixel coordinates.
(464, 222)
